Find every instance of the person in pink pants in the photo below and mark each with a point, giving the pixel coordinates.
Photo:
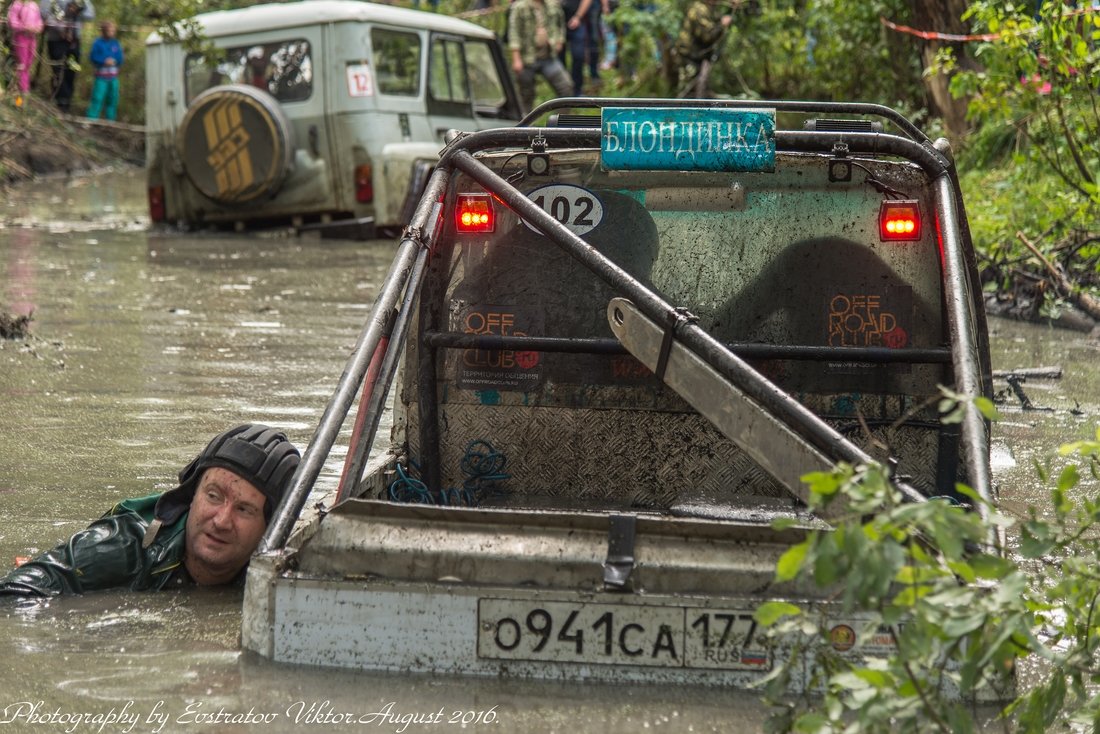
(25, 22)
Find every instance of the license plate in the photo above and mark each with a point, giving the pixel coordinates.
(620, 634)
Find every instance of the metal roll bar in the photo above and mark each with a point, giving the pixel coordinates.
(928, 158)
(596, 345)
(398, 280)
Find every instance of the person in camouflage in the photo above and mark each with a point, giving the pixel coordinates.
(705, 25)
(536, 33)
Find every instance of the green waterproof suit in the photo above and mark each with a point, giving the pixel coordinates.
(108, 554)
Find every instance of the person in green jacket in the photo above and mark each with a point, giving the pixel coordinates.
(202, 532)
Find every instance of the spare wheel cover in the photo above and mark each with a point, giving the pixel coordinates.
(236, 143)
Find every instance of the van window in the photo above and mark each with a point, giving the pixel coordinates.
(485, 82)
(447, 80)
(282, 68)
(396, 61)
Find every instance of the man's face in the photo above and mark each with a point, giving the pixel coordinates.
(224, 526)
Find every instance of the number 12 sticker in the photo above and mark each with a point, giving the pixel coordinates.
(580, 210)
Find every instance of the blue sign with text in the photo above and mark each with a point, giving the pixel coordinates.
(687, 139)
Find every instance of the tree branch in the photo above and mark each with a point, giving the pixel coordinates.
(1083, 301)
(1056, 167)
(1072, 142)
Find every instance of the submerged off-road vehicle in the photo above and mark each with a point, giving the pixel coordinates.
(623, 337)
(323, 114)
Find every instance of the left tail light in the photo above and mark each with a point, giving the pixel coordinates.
(364, 186)
(474, 213)
(156, 203)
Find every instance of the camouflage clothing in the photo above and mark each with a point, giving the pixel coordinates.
(536, 29)
(700, 32)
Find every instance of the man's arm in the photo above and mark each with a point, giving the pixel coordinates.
(107, 554)
(574, 21)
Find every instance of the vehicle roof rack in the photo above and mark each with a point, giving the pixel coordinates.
(897, 120)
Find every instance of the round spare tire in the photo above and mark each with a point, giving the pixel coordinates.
(236, 143)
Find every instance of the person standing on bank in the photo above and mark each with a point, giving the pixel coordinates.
(705, 26)
(203, 532)
(106, 57)
(578, 34)
(25, 23)
(63, 20)
(536, 34)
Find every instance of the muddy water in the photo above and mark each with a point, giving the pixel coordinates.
(144, 345)
(1051, 412)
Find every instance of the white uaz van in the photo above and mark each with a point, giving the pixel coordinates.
(327, 113)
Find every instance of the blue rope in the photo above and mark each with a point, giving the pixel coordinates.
(483, 466)
(409, 489)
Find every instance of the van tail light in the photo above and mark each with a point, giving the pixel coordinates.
(899, 221)
(474, 213)
(364, 185)
(156, 204)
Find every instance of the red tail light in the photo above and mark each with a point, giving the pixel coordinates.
(474, 213)
(156, 203)
(364, 186)
(899, 221)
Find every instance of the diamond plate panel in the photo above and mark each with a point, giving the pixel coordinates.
(586, 457)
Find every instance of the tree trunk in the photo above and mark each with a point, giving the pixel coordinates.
(944, 16)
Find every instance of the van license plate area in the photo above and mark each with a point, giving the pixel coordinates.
(620, 634)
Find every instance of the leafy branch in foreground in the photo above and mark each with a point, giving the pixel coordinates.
(964, 615)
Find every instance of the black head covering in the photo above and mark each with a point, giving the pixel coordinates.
(253, 451)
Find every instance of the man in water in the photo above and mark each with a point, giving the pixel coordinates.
(203, 532)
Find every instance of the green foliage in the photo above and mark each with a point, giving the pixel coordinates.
(850, 56)
(646, 31)
(964, 613)
(1035, 101)
(790, 49)
(1020, 196)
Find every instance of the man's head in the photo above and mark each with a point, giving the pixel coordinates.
(107, 28)
(231, 488)
(257, 59)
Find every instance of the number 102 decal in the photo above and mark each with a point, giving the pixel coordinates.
(580, 210)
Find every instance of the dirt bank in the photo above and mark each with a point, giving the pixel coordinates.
(36, 140)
